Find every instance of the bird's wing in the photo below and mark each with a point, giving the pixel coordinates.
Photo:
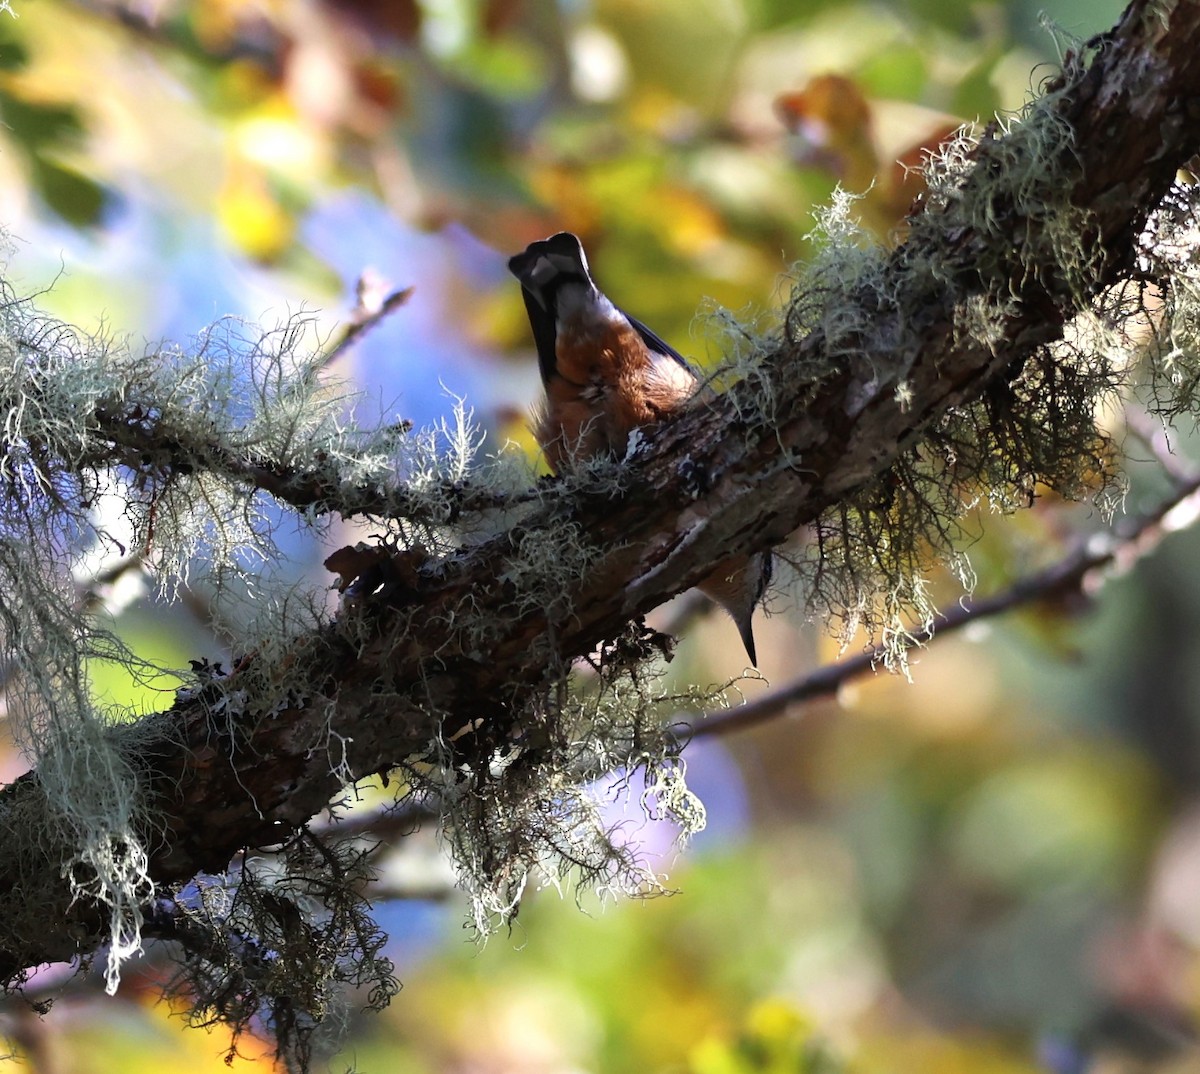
(657, 344)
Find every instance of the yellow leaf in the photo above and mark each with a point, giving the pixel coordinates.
(251, 216)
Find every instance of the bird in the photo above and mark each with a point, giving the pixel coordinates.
(607, 375)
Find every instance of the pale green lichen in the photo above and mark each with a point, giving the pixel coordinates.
(996, 221)
(527, 810)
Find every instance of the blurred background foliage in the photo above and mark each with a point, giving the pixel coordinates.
(995, 868)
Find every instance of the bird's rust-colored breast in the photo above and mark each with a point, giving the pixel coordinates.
(606, 383)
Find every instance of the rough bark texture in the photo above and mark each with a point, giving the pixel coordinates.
(217, 787)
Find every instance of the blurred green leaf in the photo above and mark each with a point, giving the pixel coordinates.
(1062, 818)
(76, 198)
(13, 55)
(900, 72)
(39, 125)
(42, 130)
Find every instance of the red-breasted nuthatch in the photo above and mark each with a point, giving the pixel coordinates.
(605, 375)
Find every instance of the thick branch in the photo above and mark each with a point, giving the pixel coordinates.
(404, 665)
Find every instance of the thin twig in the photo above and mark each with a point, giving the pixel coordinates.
(1127, 542)
(372, 308)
